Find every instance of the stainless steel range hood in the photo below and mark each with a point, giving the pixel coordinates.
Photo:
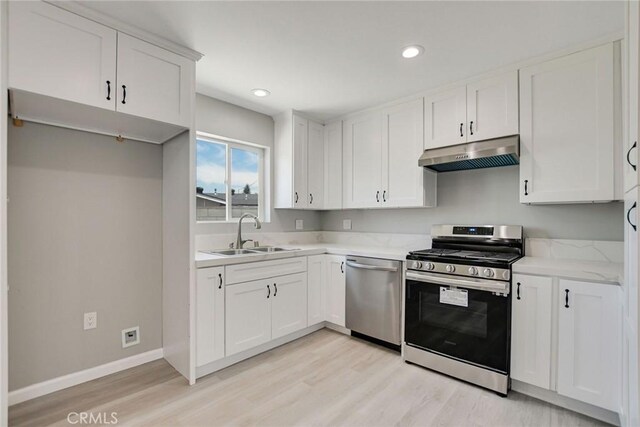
(473, 155)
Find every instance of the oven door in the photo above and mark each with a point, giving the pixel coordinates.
(466, 319)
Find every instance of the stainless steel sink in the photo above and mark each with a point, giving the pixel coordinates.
(270, 249)
(230, 252)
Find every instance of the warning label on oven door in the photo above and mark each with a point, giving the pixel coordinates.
(454, 296)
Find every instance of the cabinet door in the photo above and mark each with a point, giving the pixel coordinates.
(153, 82)
(315, 169)
(209, 315)
(589, 345)
(316, 279)
(60, 54)
(566, 129)
(333, 166)
(445, 118)
(247, 315)
(336, 290)
(632, 95)
(300, 146)
(288, 304)
(362, 161)
(492, 107)
(531, 330)
(402, 145)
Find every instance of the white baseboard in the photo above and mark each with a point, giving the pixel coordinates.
(65, 381)
(554, 398)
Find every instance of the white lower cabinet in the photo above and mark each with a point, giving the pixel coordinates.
(336, 289)
(209, 315)
(316, 292)
(589, 354)
(247, 315)
(531, 330)
(586, 320)
(288, 304)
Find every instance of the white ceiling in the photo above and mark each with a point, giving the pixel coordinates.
(329, 58)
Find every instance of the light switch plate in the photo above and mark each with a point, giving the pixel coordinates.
(346, 224)
(90, 320)
(299, 224)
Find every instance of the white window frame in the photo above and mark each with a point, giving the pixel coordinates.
(263, 182)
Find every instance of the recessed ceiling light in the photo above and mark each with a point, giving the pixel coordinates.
(260, 92)
(412, 51)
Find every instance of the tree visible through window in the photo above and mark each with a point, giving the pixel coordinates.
(228, 180)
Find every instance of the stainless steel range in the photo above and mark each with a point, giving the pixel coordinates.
(458, 303)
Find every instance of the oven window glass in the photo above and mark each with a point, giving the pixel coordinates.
(477, 333)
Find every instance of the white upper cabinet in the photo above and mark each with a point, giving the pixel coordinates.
(300, 162)
(380, 161)
(153, 82)
(631, 176)
(446, 118)
(492, 107)
(333, 165)
(209, 315)
(589, 352)
(59, 54)
(484, 109)
(531, 330)
(567, 128)
(315, 166)
(403, 181)
(362, 161)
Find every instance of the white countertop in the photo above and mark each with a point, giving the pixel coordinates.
(204, 259)
(594, 271)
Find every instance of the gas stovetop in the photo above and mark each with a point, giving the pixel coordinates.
(474, 251)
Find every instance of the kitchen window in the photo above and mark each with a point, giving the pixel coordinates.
(229, 179)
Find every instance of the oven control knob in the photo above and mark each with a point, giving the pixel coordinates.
(473, 271)
(450, 268)
(430, 266)
(488, 272)
(417, 265)
(505, 275)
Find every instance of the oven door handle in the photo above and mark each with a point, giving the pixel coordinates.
(371, 267)
(479, 284)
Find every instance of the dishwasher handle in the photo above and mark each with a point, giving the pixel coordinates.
(371, 267)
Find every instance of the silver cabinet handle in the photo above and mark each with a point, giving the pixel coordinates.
(371, 267)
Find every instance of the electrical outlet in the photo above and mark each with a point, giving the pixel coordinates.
(90, 320)
(130, 337)
(299, 224)
(346, 224)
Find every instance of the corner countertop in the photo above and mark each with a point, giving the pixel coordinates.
(204, 259)
(593, 271)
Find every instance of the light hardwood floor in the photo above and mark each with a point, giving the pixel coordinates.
(325, 378)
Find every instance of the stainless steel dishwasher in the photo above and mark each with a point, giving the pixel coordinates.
(373, 298)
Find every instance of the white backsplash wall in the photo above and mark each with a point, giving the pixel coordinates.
(488, 196)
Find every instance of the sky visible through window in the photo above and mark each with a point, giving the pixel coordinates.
(211, 168)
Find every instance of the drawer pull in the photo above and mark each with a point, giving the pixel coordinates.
(629, 218)
(635, 144)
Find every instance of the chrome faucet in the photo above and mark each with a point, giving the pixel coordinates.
(239, 242)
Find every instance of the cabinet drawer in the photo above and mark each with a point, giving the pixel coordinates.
(262, 270)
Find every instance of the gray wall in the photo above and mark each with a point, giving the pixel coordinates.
(228, 120)
(85, 234)
(488, 196)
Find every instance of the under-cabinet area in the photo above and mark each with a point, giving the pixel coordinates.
(319, 213)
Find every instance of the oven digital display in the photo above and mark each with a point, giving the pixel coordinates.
(473, 231)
